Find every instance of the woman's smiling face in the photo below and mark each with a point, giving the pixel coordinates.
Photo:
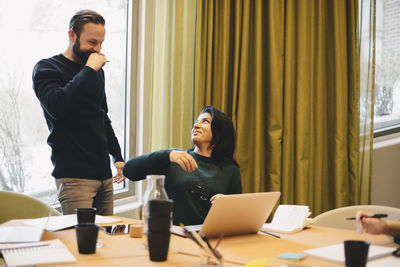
(201, 131)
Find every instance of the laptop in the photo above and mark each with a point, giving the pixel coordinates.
(237, 214)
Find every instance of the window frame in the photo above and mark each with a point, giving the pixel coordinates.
(139, 77)
(395, 128)
(132, 24)
(387, 127)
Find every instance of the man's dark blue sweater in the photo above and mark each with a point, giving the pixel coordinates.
(74, 104)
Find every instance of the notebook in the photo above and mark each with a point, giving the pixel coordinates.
(53, 251)
(237, 214)
(289, 219)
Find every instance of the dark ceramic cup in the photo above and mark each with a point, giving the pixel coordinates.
(356, 253)
(160, 208)
(86, 236)
(158, 245)
(85, 215)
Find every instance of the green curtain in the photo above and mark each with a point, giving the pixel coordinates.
(366, 40)
(172, 84)
(287, 73)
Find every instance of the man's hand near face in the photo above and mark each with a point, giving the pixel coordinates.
(96, 61)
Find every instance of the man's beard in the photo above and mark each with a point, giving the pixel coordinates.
(80, 56)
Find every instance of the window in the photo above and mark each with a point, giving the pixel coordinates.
(37, 30)
(387, 68)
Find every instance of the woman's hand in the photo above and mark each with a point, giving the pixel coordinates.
(184, 159)
(214, 197)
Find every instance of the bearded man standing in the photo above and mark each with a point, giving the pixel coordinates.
(71, 91)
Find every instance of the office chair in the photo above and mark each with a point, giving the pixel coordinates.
(336, 218)
(19, 206)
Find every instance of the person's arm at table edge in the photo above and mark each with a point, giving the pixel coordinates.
(377, 226)
(393, 228)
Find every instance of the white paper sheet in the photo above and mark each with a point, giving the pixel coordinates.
(335, 252)
(56, 223)
(13, 234)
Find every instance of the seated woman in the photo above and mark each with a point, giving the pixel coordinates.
(194, 177)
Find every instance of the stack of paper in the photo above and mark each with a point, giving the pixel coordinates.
(289, 219)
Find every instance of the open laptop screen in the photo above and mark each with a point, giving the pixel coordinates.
(238, 214)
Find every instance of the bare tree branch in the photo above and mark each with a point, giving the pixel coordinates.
(11, 164)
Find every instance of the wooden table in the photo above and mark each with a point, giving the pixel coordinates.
(122, 250)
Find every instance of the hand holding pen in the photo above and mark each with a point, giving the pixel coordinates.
(371, 223)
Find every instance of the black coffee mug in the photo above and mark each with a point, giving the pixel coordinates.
(158, 245)
(356, 253)
(85, 215)
(160, 208)
(158, 224)
(86, 236)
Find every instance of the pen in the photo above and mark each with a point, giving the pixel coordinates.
(214, 251)
(204, 237)
(205, 248)
(219, 240)
(189, 234)
(378, 215)
(268, 233)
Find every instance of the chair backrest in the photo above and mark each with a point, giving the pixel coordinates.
(336, 218)
(19, 206)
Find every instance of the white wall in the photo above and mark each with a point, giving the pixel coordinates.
(385, 185)
(127, 207)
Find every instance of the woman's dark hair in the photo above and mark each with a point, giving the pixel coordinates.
(223, 140)
(82, 17)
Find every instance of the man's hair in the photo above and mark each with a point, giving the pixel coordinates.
(223, 140)
(82, 17)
